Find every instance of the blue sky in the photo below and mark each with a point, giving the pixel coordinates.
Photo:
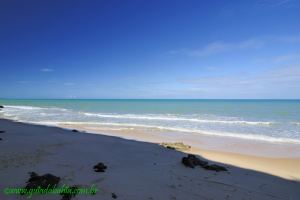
(150, 49)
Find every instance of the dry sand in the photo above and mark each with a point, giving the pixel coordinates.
(279, 159)
(136, 170)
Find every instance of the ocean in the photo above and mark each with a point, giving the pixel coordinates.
(267, 120)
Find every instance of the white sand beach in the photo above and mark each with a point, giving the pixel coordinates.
(136, 169)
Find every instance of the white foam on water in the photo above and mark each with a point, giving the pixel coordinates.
(32, 108)
(159, 117)
(204, 132)
(180, 123)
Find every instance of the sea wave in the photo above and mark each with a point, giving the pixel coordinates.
(295, 123)
(185, 130)
(152, 117)
(24, 107)
(33, 108)
(277, 131)
(174, 118)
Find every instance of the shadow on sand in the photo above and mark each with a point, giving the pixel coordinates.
(135, 170)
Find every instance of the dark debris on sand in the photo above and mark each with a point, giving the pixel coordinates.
(215, 167)
(100, 167)
(2, 131)
(44, 181)
(172, 148)
(72, 192)
(75, 131)
(114, 196)
(192, 161)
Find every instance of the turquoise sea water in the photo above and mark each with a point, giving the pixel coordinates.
(271, 120)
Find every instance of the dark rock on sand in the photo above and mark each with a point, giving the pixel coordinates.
(199, 162)
(75, 131)
(114, 196)
(1, 107)
(192, 161)
(0, 138)
(72, 192)
(2, 131)
(187, 162)
(215, 167)
(100, 167)
(169, 147)
(43, 181)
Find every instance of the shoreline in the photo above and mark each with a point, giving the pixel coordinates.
(219, 143)
(201, 141)
(270, 128)
(279, 159)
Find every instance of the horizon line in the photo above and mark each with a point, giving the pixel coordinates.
(149, 99)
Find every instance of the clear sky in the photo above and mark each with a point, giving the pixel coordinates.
(150, 49)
